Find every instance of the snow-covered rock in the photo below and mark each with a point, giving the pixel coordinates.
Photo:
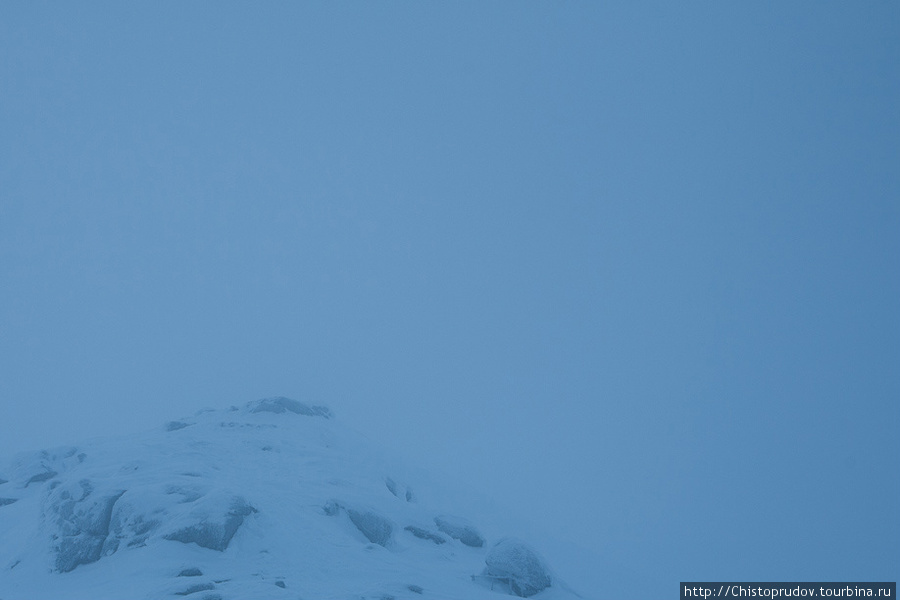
(375, 527)
(460, 529)
(280, 405)
(37, 467)
(424, 534)
(213, 524)
(274, 499)
(513, 563)
(80, 518)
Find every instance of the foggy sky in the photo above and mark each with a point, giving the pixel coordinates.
(631, 270)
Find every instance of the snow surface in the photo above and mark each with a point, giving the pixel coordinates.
(271, 500)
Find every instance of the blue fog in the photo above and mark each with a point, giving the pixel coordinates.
(630, 270)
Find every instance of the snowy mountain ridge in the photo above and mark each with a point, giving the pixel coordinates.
(274, 499)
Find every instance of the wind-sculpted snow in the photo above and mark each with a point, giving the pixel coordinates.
(270, 500)
(38, 467)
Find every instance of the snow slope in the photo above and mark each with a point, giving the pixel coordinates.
(271, 500)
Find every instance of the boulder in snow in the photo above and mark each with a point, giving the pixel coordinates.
(514, 564)
(460, 529)
(376, 528)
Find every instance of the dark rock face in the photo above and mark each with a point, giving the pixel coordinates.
(281, 405)
(376, 528)
(514, 563)
(176, 425)
(191, 572)
(7, 501)
(216, 530)
(460, 530)
(82, 519)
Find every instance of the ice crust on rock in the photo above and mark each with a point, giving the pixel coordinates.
(515, 564)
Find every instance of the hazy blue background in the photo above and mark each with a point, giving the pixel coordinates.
(632, 269)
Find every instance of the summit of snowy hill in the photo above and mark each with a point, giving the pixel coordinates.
(274, 499)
